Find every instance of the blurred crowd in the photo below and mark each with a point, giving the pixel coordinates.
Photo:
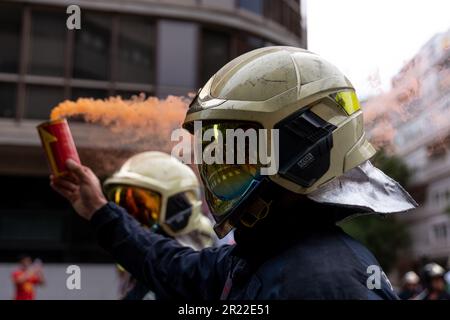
(432, 283)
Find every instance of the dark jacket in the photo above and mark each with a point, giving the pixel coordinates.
(302, 261)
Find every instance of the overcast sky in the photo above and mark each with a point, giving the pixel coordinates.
(363, 37)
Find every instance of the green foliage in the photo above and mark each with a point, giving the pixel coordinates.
(393, 166)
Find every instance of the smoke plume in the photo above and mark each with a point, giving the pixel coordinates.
(134, 125)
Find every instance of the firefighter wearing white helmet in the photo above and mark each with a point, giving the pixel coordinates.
(410, 286)
(411, 278)
(317, 114)
(287, 243)
(161, 192)
(163, 195)
(434, 283)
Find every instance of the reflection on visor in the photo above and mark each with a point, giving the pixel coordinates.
(144, 205)
(227, 183)
(220, 208)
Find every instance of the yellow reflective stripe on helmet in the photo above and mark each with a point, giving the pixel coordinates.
(348, 101)
(117, 195)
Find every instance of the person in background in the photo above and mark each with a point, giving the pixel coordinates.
(411, 286)
(163, 195)
(447, 275)
(26, 277)
(434, 283)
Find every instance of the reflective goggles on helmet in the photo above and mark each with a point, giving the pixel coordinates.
(226, 183)
(143, 204)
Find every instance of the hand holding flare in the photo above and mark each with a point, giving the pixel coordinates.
(81, 187)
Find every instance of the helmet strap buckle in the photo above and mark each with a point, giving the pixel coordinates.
(256, 211)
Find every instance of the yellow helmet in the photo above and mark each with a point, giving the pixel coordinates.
(159, 190)
(313, 108)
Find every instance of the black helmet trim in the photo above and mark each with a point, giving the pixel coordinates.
(178, 212)
(305, 142)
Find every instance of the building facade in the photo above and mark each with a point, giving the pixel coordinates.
(158, 47)
(414, 120)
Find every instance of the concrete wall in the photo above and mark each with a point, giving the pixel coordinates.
(219, 4)
(98, 282)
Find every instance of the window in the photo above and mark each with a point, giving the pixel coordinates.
(295, 23)
(255, 6)
(136, 50)
(248, 43)
(40, 100)
(129, 94)
(42, 224)
(30, 226)
(216, 53)
(47, 43)
(274, 10)
(10, 26)
(92, 47)
(7, 100)
(117, 51)
(440, 231)
(437, 150)
(436, 198)
(284, 12)
(88, 93)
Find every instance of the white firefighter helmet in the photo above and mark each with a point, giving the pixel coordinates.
(157, 189)
(411, 278)
(311, 105)
(432, 270)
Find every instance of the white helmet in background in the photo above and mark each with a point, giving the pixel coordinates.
(410, 278)
(160, 191)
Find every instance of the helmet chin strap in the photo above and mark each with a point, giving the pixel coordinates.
(257, 206)
(256, 211)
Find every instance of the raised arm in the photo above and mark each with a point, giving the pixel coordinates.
(169, 269)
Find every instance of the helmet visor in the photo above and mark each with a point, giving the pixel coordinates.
(227, 182)
(143, 204)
